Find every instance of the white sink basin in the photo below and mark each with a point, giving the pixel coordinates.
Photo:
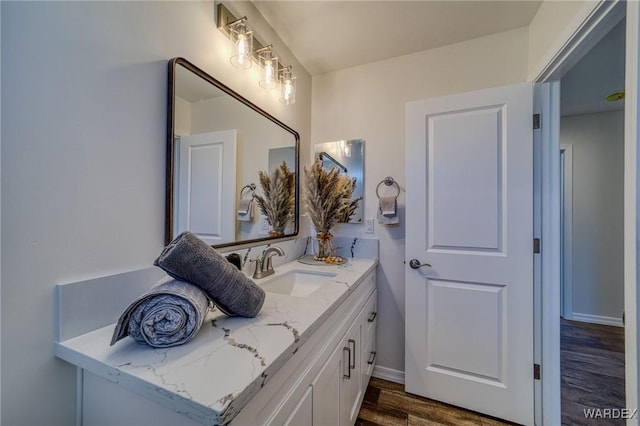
(297, 283)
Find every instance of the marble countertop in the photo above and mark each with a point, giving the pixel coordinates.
(210, 378)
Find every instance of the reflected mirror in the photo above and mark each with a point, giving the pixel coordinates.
(217, 143)
(348, 157)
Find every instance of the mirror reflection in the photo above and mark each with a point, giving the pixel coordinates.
(348, 157)
(218, 144)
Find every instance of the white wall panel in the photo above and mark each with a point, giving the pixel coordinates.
(479, 330)
(465, 198)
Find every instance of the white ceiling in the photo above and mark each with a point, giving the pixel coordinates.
(331, 35)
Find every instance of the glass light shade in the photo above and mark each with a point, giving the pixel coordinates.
(242, 39)
(287, 88)
(268, 69)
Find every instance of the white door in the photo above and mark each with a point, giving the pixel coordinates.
(469, 316)
(207, 185)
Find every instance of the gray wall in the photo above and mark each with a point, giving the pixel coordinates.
(598, 197)
(83, 151)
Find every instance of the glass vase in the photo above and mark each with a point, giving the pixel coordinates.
(277, 231)
(325, 248)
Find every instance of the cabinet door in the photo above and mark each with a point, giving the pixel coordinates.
(302, 415)
(105, 403)
(351, 387)
(296, 410)
(326, 390)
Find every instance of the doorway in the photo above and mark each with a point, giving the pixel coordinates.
(601, 19)
(592, 231)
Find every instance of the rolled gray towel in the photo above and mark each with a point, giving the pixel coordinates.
(190, 259)
(169, 314)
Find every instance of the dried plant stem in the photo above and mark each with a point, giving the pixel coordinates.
(328, 198)
(277, 201)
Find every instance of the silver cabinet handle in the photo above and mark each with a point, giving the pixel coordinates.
(372, 357)
(348, 375)
(415, 264)
(351, 341)
(372, 317)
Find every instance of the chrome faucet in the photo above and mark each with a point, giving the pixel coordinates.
(264, 267)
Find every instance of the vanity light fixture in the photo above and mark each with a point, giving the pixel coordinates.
(287, 86)
(272, 73)
(268, 62)
(242, 38)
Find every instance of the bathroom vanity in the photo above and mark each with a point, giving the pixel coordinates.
(305, 359)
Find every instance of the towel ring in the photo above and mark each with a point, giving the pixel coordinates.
(388, 181)
(251, 187)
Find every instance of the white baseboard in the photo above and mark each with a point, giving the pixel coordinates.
(389, 374)
(597, 319)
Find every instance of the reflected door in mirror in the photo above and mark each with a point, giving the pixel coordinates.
(205, 187)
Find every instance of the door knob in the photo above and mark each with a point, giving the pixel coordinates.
(415, 264)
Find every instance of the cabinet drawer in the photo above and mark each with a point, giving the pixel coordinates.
(369, 337)
(371, 312)
(368, 356)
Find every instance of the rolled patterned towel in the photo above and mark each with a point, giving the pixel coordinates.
(190, 259)
(169, 314)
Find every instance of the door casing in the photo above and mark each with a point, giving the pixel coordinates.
(588, 31)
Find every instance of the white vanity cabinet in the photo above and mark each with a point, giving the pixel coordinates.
(302, 361)
(356, 342)
(328, 387)
(339, 388)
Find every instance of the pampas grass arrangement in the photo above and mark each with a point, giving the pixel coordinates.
(278, 200)
(350, 208)
(328, 198)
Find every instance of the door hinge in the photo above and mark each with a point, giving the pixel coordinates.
(536, 245)
(536, 371)
(536, 121)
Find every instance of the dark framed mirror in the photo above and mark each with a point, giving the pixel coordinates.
(217, 143)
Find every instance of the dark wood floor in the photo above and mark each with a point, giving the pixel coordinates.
(592, 368)
(387, 404)
(592, 362)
